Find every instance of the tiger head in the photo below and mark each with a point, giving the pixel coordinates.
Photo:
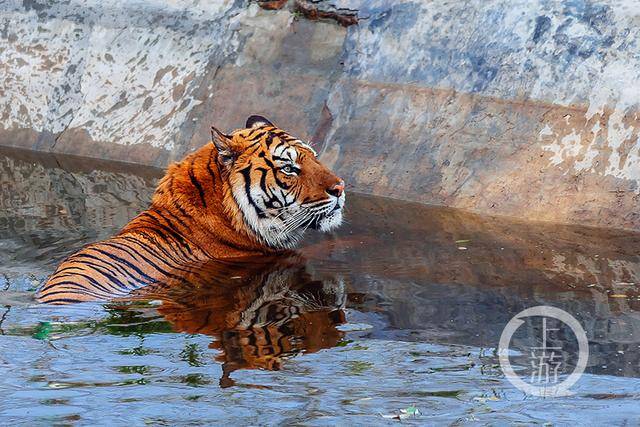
(278, 183)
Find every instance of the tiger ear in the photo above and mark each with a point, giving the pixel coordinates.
(223, 143)
(256, 122)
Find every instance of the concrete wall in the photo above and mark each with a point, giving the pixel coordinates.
(518, 108)
(51, 205)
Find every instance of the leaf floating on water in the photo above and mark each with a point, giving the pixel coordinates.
(43, 330)
(358, 367)
(390, 416)
(359, 347)
(351, 327)
(410, 412)
(462, 241)
(57, 385)
(487, 399)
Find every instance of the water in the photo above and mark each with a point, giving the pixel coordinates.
(397, 315)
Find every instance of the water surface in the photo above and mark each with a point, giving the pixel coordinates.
(398, 314)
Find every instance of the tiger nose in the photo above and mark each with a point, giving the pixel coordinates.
(337, 189)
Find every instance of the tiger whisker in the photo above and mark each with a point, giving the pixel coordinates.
(308, 216)
(294, 222)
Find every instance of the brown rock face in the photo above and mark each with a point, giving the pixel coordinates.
(534, 119)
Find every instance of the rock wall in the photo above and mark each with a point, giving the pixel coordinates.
(517, 108)
(50, 205)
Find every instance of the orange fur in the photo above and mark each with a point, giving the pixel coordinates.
(195, 217)
(289, 311)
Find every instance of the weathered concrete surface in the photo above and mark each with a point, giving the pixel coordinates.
(519, 108)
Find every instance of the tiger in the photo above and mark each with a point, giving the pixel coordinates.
(273, 309)
(253, 192)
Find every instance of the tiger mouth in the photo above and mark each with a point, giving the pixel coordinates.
(286, 226)
(329, 219)
(315, 224)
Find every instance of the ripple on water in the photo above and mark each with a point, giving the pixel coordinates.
(388, 318)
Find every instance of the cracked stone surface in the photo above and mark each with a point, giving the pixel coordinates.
(525, 109)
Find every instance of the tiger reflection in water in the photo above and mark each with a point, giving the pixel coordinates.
(259, 313)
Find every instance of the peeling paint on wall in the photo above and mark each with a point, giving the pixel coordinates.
(122, 73)
(611, 148)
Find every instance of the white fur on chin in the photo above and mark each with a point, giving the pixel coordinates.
(269, 230)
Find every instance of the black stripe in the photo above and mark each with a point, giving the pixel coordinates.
(177, 204)
(281, 143)
(196, 183)
(211, 172)
(147, 260)
(107, 268)
(109, 274)
(82, 291)
(253, 144)
(263, 181)
(69, 282)
(281, 184)
(93, 281)
(182, 255)
(258, 135)
(66, 290)
(169, 242)
(269, 140)
(269, 163)
(175, 229)
(246, 173)
(69, 267)
(182, 210)
(62, 300)
(177, 265)
(153, 251)
(176, 236)
(251, 153)
(132, 254)
(55, 276)
(125, 262)
(177, 219)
